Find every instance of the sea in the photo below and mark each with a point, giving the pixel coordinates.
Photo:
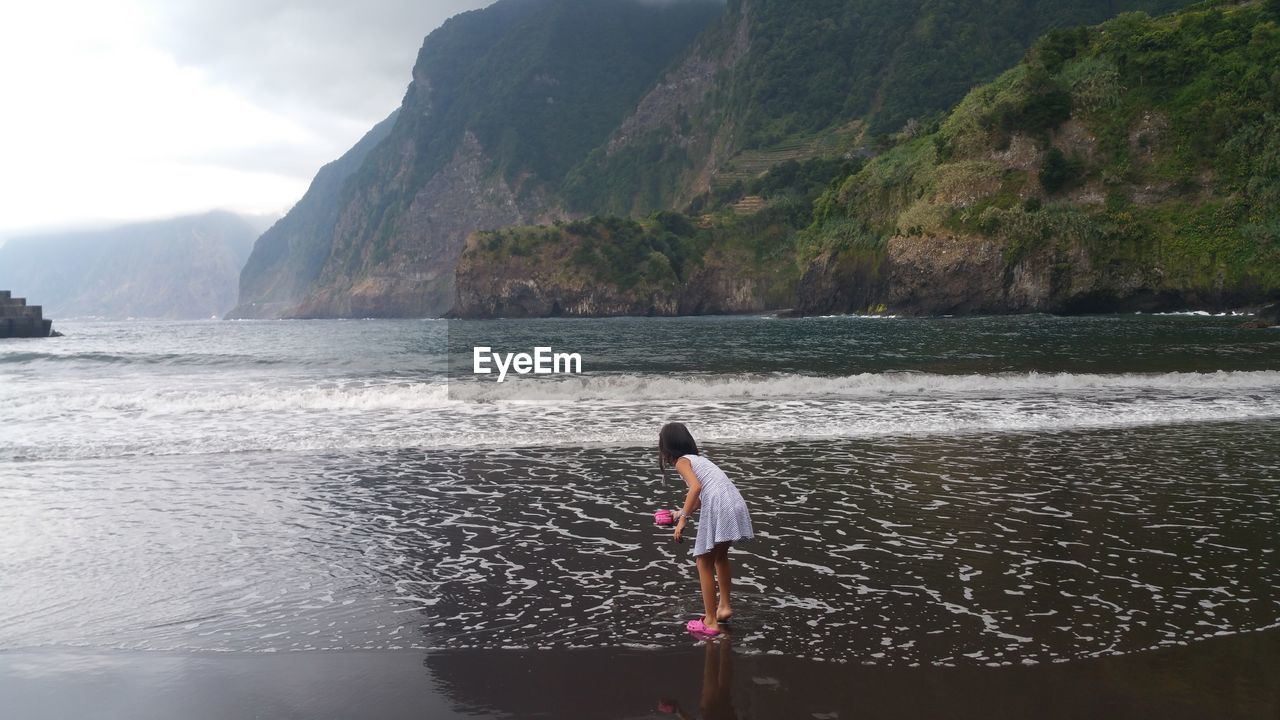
(964, 492)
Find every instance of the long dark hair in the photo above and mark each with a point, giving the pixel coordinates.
(674, 442)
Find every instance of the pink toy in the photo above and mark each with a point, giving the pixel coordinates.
(664, 517)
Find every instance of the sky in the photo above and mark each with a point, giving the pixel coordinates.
(121, 110)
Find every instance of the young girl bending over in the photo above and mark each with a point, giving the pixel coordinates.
(723, 521)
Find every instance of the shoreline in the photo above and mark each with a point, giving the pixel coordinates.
(1234, 676)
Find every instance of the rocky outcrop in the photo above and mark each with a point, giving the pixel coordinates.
(20, 320)
(969, 276)
(549, 282)
(1019, 202)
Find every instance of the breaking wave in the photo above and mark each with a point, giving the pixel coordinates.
(617, 410)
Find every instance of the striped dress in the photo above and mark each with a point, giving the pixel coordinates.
(723, 516)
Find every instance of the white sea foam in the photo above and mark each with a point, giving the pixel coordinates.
(646, 387)
(626, 388)
(617, 410)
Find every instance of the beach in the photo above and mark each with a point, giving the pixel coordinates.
(970, 517)
(1232, 677)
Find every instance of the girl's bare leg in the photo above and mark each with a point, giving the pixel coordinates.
(707, 577)
(724, 575)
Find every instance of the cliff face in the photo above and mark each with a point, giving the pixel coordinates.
(533, 110)
(504, 101)
(182, 268)
(1126, 167)
(777, 80)
(409, 272)
(289, 256)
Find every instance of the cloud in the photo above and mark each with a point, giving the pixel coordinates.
(347, 59)
(139, 109)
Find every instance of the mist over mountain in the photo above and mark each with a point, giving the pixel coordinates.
(182, 268)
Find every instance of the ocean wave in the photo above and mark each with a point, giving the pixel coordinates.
(621, 410)
(1199, 313)
(416, 396)
(107, 358)
(628, 388)
(715, 387)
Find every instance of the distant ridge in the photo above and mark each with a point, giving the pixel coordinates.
(183, 268)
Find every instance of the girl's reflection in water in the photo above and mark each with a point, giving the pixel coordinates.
(717, 684)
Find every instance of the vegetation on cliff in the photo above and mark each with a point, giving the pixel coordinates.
(1135, 164)
(1130, 160)
(542, 83)
(1146, 149)
(723, 260)
(504, 100)
(804, 72)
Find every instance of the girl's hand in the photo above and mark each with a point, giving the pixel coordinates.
(678, 535)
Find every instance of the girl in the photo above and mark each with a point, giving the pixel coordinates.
(724, 521)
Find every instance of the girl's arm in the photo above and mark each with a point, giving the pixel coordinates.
(692, 499)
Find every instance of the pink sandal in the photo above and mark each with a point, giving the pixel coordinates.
(698, 627)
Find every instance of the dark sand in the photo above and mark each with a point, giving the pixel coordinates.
(1228, 677)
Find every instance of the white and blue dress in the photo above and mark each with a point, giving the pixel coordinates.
(723, 516)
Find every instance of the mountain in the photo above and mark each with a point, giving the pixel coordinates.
(1130, 166)
(778, 80)
(288, 257)
(533, 110)
(181, 268)
(504, 102)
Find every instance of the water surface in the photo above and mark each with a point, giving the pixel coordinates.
(952, 492)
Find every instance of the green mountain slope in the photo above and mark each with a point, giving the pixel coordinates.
(504, 100)
(776, 74)
(1130, 166)
(1135, 165)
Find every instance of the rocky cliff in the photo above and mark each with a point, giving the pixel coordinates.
(287, 259)
(1130, 166)
(503, 102)
(182, 268)
(776, 80)
(612, 267)
(534, 110)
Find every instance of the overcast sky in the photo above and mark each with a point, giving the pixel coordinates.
(117, 110)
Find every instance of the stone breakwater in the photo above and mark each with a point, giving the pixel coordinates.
(18, 319)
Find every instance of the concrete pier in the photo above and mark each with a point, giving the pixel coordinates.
(18, 319)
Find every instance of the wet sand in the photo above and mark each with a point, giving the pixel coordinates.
(1227, 677)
